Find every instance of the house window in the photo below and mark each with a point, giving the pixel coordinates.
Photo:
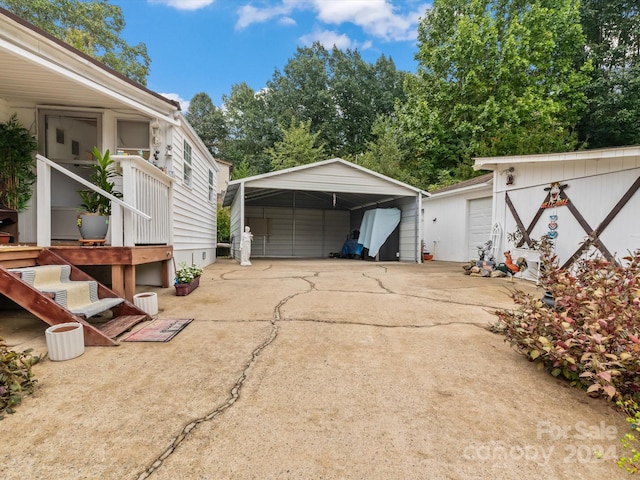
(187, 164)
(133, 138)
(211, 189)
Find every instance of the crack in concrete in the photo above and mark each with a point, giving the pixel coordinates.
(234, 394)
(382, 325)
(235, 390)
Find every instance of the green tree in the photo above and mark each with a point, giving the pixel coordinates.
(385, 153)
(208, 121)
(251, 130)
(93, 27)
(243, 170)
(495, 77)
(301, 92)
(612, 29)
(298, 147)
(338, 92)
(223, 215)
(360, 92)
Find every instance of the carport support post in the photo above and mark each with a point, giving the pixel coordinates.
(419, 228)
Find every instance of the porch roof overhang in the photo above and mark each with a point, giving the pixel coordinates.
(39, 69)
(286, 188)
(496, 163)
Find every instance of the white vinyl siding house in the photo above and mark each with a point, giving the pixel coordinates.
(71, 103)
(194, 215)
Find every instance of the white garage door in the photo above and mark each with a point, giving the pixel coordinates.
(478, 224)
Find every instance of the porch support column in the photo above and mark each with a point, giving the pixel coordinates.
(43, 205)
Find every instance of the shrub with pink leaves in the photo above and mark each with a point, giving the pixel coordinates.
(591, 336)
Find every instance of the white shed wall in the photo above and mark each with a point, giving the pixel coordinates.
(446, 224)
(594, 188)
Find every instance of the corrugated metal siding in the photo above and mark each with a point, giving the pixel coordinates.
(336, 230)
(307, 235)
(299, 233)
(235, 225)
(409, 230)
(332, 178)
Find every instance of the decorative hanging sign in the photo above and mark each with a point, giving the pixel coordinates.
(554, 196)
(553, 225)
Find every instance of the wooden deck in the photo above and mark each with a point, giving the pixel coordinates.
(122, 260)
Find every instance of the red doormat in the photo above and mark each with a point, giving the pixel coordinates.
(160, 330)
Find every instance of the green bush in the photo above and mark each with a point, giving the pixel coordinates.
(224, 223)
(591, 336)
(16, 377)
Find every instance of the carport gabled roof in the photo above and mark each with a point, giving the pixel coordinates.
(355, 185)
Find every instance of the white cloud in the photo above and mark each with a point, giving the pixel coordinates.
(184, 104)
(184, 4)
(286, 21)
(250, 14)
(378, 18)
(328, 39)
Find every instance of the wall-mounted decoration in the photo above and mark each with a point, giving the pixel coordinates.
(75, 147)
(59, 136)
(555, 189)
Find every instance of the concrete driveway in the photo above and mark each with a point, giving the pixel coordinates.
(332, 369)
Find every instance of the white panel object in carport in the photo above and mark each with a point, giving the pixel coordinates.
(376, 227)
(479, 224)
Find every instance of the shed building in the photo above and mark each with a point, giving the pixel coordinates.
(310, 211)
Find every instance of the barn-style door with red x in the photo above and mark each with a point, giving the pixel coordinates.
(556, 196)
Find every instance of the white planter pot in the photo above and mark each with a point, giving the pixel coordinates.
(65, 341)
(147, 301)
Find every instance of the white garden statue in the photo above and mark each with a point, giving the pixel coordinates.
(245, 246)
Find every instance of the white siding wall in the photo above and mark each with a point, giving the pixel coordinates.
(446, 224)
(194, 216)
(594, 188)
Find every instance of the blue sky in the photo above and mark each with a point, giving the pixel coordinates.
(209, 45)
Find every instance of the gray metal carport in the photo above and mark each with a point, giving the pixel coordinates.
(310, 210)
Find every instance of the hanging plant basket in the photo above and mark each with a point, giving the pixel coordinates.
(183, 289)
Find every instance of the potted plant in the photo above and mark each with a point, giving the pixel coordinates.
(187, 279)
(17, 169)
(93, 222)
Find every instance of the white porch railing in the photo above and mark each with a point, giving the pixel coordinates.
(147, 188)
(142, 217)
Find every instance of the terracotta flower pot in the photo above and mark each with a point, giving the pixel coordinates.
(426, 257)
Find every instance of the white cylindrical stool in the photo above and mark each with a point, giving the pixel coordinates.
(65, 341)
(147, 301)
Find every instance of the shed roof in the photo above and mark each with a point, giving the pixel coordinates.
(494, 163)
(475, 182)
(334, 182)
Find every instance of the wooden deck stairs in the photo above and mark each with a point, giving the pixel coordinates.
(56, 291)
